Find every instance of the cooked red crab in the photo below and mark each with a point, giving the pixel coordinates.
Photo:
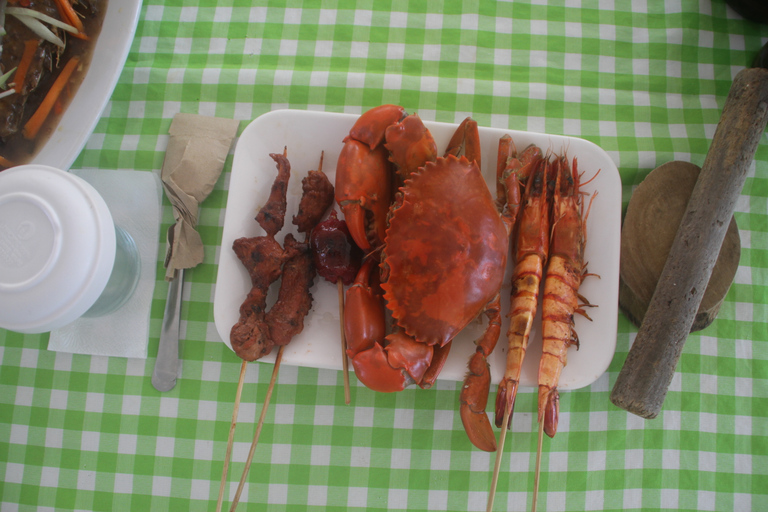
(442, 262)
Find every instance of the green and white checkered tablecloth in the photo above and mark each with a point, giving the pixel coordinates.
(645, 80)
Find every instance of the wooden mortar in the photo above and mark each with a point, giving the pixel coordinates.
(650, 224)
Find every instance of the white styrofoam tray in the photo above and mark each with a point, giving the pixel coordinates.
(306, 134)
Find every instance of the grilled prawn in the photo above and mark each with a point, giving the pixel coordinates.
(565, 272)
(531, 250)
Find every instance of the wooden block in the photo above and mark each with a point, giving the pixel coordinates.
(650, 224)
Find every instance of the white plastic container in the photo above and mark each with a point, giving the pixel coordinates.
(61, 255)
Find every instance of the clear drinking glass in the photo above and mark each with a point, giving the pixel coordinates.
(123, 279)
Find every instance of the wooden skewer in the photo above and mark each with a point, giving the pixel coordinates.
(231, 435)
(499, 451)
(538, 467)
(264, 407)
(344, 360)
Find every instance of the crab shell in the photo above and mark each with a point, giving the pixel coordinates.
(446, 250)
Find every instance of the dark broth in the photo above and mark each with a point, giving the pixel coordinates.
(20, 150)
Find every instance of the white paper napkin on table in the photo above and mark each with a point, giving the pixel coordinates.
(134, 199)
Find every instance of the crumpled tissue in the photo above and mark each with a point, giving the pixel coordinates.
(194, 159)
(134, 199)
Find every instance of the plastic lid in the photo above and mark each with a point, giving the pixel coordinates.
(57, 248)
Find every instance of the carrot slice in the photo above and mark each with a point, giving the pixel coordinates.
(30, 47)
(80, 35)
(69, 15)
(4, 162)
(36, 121)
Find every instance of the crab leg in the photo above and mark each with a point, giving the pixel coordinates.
(477, 384)
(474, 393)
(465, 141)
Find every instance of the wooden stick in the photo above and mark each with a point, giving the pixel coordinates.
(344, 360)
(231, 435)
(538, 466)
(278, 359)
(499, 451)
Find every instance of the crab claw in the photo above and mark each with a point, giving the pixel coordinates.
(371, 126)
(363, 190)
(382, 363)
(372, 368)
(473, 399)
(395, 366)
(364, 323)
(365, 330)
(355, 217)
(363, 185)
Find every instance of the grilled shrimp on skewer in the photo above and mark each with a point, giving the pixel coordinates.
(565, 272)
(530, 249)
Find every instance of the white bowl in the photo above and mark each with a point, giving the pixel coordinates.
(79, 120)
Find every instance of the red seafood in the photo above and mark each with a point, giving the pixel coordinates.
(561, 300)
(531, 248)
(512, 171)
(364, 181)
(443, 254)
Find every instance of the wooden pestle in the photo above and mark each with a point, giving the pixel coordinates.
(644, 379)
